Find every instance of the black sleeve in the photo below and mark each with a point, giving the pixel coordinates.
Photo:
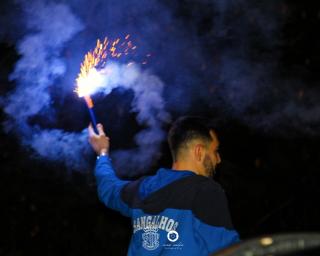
(211, 206)
(130, 193)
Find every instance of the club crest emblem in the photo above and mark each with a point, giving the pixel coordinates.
(150, 237)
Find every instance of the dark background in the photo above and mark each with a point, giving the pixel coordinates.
(269, 172)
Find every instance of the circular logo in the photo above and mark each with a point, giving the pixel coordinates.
(173, 236)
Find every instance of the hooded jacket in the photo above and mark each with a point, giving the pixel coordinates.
(172, 212)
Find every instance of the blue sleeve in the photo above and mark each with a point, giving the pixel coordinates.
(216, 238)
(109, 186)
(212, 212)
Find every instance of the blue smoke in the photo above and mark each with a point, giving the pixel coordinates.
(50, 26)
(226, 63)
(150, 108)
(40, 66)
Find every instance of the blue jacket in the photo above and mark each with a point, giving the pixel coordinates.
(172, 212)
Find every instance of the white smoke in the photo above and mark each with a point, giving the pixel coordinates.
(52, 26)
(150, 108)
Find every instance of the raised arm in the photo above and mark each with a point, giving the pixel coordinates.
(108, 184)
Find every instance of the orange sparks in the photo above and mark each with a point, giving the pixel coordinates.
(97, 57)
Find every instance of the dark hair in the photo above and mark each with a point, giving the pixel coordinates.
(186, 129)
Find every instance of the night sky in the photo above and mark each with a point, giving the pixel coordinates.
(251, 66)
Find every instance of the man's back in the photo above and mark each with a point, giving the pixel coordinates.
(175, 212)
(172, 212)
(174, 218)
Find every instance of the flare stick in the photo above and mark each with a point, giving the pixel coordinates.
(90, 105)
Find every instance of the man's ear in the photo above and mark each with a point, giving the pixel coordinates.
(198, 152)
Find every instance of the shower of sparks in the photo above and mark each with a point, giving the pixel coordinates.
(96, 59)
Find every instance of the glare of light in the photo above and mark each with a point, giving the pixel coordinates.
(86, 85)
(266, 241)
(89, 78)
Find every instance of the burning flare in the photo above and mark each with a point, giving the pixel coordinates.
(89, 78)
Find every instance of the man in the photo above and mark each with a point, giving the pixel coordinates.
(178, 211)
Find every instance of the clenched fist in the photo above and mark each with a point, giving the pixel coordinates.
(99, 142)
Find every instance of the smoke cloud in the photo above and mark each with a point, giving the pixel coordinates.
(38, 69)
(52, 25)
(215, 57)
(149, 106)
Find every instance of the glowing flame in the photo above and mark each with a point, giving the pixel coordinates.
(89, 78)
(86, 85)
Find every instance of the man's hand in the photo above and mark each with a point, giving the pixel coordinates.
(100, 143)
